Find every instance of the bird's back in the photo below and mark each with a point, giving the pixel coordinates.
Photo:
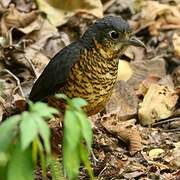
(56, 72)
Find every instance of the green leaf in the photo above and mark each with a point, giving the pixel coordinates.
(28, 130)
(43, 110)
(21, 166)
(78, 102)
(71, 160)
(85, 128)
(44, 132)
(71, 129)
(35, 150)
(4, 157)
(84, 154)
(8, 130)
(42, 158)
(71, 141)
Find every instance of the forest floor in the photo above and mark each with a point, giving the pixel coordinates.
(138, 136)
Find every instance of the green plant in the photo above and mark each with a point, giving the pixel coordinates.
(77, 139)
(25, 138)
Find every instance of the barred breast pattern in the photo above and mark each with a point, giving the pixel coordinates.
(92, 78)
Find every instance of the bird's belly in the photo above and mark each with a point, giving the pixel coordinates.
(95, 92)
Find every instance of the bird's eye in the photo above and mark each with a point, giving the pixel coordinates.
(113, 34)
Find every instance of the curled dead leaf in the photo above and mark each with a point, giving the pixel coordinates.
(158, 103)
(14, 18)
(126, 131)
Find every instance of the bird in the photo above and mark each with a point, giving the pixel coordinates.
(87, 68)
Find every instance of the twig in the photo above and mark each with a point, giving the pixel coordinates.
(102, 171)
(17, 81)
(172, 130)
(31, 66)
(166, 121)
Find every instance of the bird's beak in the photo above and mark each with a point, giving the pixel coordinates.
(136, 42)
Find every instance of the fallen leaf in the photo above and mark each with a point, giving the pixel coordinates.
(158, 103)
(173, 157)
(145, 84)
(6, 3)
(125, 131)
(24, 5)
(58, 12)
(157, 16)
(156, 153)
(123, 102)
(176, 44)
(144, 69)
(14, 18)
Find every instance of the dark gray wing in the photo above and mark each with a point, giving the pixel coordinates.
(56, 72)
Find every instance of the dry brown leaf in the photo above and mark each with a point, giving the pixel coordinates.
(158, 103)
(14, 18)
(135, 53)
(38, 59)
(145, 84)
(167, 80)
(158, 16)
(5, 3)
(59, 11)
(32, 27)
(20, 102)
(9, 84)
(154, 79)
(24, 5)
(173, 157)
(48, 40)
(123, 102)
(176, 43)
(144, 69)
(126, 131)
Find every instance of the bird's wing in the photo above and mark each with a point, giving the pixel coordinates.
(56, 72)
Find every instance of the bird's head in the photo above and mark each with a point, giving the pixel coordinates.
(110, 36)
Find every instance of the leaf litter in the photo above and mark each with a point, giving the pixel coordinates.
(124, 147)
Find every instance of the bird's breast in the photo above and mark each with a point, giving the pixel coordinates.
(92, 81)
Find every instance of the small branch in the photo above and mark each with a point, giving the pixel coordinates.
(166, 121)
(17, 81)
